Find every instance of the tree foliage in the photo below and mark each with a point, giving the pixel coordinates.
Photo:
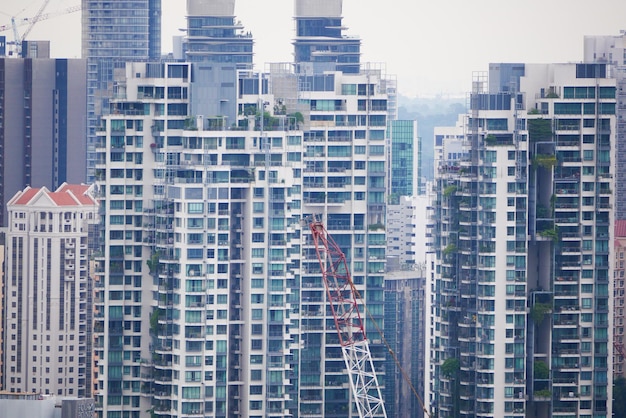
(450, 367)
(541, 370)
(540, 130)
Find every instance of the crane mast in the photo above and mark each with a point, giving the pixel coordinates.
(343, 299)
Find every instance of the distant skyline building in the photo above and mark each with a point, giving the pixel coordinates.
(408, 277)
(220, 50)
(113, 33)
(35, 49)
(47, 344)
(405, 331)
(409, 231)
(320, 43)
(404, 159)
(42, 124)
(213, 35)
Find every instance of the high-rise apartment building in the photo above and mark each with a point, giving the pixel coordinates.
(345, 107)
(114, 32)
(343, 186)
(523, 292)
(204, 325)
(401, 228)
(42, 124)
(2, 303)
(48, 330)
(612, 50)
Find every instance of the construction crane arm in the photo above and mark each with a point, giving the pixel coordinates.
(27, 21)
(343, 299)
(16, 36)
(32, 21)
(17, 42)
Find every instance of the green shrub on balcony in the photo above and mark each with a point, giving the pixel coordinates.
(449, 190)
(552, 95)
(543, 393)
(551, 233)
(539, 311)
(153, 262)
(190, 124)
(450, 367)
(541, 370)
(154, 320)
(450, 249)
(546, 161)
(539, 130)
(375, 227)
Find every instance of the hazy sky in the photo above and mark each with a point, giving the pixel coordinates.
(431, 46)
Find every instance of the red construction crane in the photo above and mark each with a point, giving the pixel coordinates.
(343, 299)
(619, 347)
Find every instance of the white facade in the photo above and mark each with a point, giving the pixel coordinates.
(217, 214)
(609, 49)
(318, 8)
(47, 292)
(450, 145)
(409, 231)
(524, 272)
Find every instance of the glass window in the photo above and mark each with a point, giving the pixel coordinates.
(195, 207)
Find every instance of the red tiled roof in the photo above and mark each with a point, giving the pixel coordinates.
(63, 199)
(65, 195)
(26, 196)
(620, 228)
(79, 191)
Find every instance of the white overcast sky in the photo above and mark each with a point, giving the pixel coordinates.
(432, 46)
